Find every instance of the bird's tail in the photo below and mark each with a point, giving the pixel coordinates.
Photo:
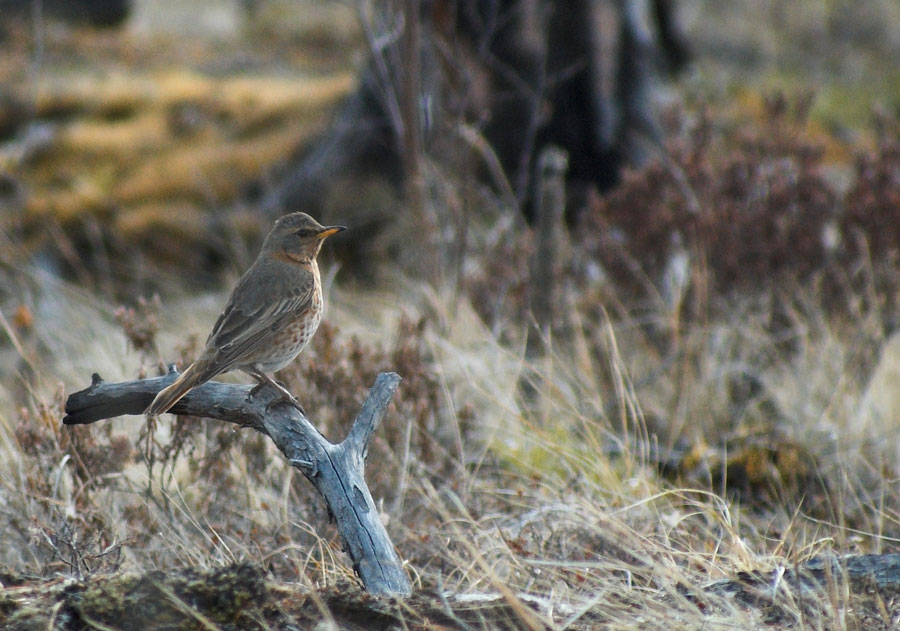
(170, 395)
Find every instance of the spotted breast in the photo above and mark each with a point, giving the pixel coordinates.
(294, 337)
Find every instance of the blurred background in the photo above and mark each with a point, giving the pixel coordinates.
(636, 262)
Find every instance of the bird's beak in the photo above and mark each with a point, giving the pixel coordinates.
(330, 230)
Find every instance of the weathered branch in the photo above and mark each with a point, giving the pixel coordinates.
(337, 471)
(784, 593)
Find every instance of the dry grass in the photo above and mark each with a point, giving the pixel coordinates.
(608, 492)
(677, 427)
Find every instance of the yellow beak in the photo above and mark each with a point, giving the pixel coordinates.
(330, 230)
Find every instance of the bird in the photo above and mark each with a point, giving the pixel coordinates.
(272, 313)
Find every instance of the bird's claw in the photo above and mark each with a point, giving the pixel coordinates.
(285, 395)
(255, 390)
(285, 399)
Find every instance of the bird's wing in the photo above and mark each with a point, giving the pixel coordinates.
(258, 308)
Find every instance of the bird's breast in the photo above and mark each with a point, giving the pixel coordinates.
(293, 338)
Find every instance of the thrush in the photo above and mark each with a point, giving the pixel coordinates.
(272, 314)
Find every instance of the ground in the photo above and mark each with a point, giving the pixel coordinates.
(714, 399)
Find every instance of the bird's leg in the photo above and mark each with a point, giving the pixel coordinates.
(286, 397)
(262, 380)
(260, 384)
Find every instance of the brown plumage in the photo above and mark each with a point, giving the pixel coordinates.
(273, 312)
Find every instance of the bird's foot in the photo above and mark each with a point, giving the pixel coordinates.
(286, 397)
(255, 390)
(264, 380)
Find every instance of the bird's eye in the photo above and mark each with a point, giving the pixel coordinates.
(305, 232)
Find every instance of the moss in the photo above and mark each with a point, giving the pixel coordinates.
(182, 599)
(226, 598)
(8, 606)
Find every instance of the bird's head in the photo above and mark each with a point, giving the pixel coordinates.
(298, 237)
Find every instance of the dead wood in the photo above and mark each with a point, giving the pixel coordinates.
(336, 470)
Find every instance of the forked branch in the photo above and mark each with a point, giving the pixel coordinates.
(337, 471)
